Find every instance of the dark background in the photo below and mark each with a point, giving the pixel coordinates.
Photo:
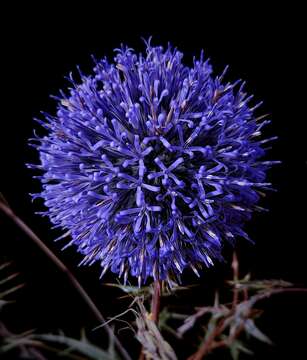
(41, 45)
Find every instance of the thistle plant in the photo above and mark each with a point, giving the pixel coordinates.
(149, 165)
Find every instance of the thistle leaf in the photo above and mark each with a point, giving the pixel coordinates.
(252, 329)
(259, 285)
(82, 346)
(131, 290)
(236, 348)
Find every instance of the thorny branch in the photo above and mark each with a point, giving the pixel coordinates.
(243, 311)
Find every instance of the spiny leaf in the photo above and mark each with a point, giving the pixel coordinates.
(131, 290)
(81, 346)
(258, 285)
(171, 291)
(4, 280)
(12, 341)
(150, 337)
(11, 290)
(2, 303)
(8, 278)
(5, 265)
(252, 329)
(216, 312)
(234, 352)
(236, 347)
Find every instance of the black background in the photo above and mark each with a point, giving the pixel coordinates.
(42, 44)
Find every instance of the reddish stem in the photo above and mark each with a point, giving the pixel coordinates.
(155, 303)
(155, 307)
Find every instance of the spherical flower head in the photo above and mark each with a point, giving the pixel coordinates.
(150, 165)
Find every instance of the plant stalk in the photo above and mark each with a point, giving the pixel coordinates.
(155, 308)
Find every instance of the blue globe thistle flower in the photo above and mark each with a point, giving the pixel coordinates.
(150, 165)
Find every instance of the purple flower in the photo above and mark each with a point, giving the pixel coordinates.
(150, 165)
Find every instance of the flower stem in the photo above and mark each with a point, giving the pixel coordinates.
(155, 308)
(6, 209)
(155, 303)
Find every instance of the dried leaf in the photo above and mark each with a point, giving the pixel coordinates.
(151, 339)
